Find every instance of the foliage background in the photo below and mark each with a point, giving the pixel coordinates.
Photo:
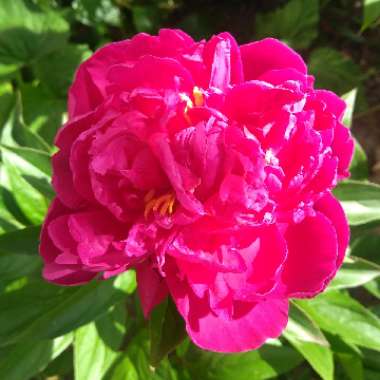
(97, 331)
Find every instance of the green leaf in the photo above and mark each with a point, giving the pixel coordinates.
(308, 339)
(30, 201)
(38, 158)
(374, 288)
(267, 362)
(27, 312)
(366, 246)
(6, 102)
(56, 70)
(371, 13)
(349, 357)
(43, 111)
(350, 99)
(13, 267)
(124, 370)
(28, 33)
(338, 313)
(20, 242)
(96, 345)
(24, 360)
(145, 18)
(333, 70)
(355, 272)
(296, 23)
(138, 353)
(15, 133)
(93, 12)
(167, 330)
(360, 200)
(359, 164)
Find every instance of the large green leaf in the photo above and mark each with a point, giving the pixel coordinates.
(27, 32)
(338, 313)
(56, 70)
(349, 356)
(167, 330)
(366, 246)
(359, 164)
(15, 133)
(42, 311)
(270, 361)
(94, 12)
(138, 353)
(371, 13)
(360, 200)
(124, 370)
(38, 158)
(355, 272)
(308, 339)
(43, 111)
(145, 17)
(96, 344)
(24, 360)
(13, 267)
(342, 74)
(350, 99)
(31, 202)
(296, 23)
(22, 242)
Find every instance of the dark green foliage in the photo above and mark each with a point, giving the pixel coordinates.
(97, 331)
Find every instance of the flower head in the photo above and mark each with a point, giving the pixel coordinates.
(208, 167)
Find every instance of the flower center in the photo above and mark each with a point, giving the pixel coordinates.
(163, 204)
(198, 101)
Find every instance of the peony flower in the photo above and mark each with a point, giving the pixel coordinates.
(208, 167)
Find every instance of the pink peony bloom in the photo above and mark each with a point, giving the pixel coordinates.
(208, 167)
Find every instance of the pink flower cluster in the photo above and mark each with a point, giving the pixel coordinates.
(208, 167)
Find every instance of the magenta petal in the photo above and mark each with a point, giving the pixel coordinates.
(172, 75)
(331, 208)
(151, 287)
(222, 55)
(66, 275)
(312, 256)
(88, 89)
(280, 76)
(269, 54)
(249, 328)
(334, 103)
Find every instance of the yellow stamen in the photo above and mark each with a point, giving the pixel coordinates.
(164, 204)
(148, 208)
(198, 97)
(171, 206)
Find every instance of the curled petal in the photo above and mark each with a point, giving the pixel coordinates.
(250, 327)
(312, 256)
(269, 54)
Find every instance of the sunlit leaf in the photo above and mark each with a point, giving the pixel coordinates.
(308, 339)
(338, 313)
(295, 23)
(27, 32)
(360, 200)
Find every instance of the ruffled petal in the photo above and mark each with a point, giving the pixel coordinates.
(222, 57)
(89, 87)
(250, 327)
(312, 256)
(330, 207)
(269, 54)
(151, 287)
